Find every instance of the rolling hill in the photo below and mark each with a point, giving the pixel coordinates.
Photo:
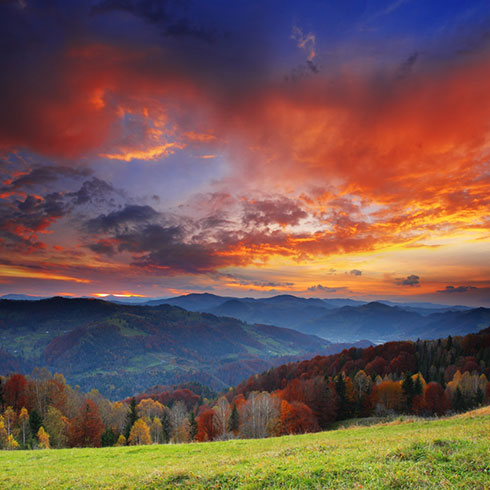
(123, 349)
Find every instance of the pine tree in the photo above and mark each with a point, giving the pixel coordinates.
(131, 417)
(409, 391)
(166, 425)
(234, 423)
(459, 403)
(108, 438)
(192, 426)
(35, 422)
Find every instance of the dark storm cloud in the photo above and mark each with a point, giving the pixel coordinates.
(94, 190)
(131, 213)
(411, 280)
(457, 289)
(44, 175)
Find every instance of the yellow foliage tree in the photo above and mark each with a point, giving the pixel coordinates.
(12, 443)
(23, 420)
(121, 440)
(43, 438)
(140, 434)
(3, 434)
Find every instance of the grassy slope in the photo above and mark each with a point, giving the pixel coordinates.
(447, 453)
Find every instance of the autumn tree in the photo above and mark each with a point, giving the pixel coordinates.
(86, 429)
(121, 440)
(15, 391)
(221, 418)
(180, 422)
(23, 421)
(139, 434)
(205, 426)
(43, 438)
(9, 417)
(435, 399)
(56, 425)
(3, 434)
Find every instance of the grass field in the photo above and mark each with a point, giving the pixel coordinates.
(433, 454)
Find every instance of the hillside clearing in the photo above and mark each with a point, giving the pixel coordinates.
(446, 453)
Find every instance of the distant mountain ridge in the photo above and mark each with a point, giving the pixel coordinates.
(342, 320)
(122, 349)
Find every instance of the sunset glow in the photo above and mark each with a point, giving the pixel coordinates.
(325, 150)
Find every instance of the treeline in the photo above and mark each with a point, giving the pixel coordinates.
(423, 378)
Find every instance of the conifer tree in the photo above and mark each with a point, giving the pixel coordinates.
(234, 422)
(131, 417)
(192, 426)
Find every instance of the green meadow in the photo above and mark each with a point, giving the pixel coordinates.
(453, 452)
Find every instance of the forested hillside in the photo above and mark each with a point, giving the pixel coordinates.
(123, 349)
(423, 378)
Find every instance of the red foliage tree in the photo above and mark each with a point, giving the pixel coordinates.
(205, 426)
(435, 399)
(15, 392)
(297, 418)
(87, 428)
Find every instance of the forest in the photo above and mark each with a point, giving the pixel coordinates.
(425, 378)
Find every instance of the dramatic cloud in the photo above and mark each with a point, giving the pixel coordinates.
(458, 289)
(411, 280)
(157, 139)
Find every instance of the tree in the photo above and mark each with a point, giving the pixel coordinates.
(221, 417)
(166, 425)
(108, 438)
(459, 403)
(140, 434)
(3, 434)
(192, 426)
(35, 422)
(435, 399)
(43, 438)
(131, 417)
(205, 426)
(56, 424)
(121, 440)
(409, 391)
(297, 418)
(87, 428)
(234, 422)
(15, 391)
(149, 408)
(156, 430)
(12, 443)
(180, 422)
(9, 418)
(23, 421)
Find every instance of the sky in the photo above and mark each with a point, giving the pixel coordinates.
(316, 148)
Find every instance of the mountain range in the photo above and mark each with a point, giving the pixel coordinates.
(122, 349)
(342, 320)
